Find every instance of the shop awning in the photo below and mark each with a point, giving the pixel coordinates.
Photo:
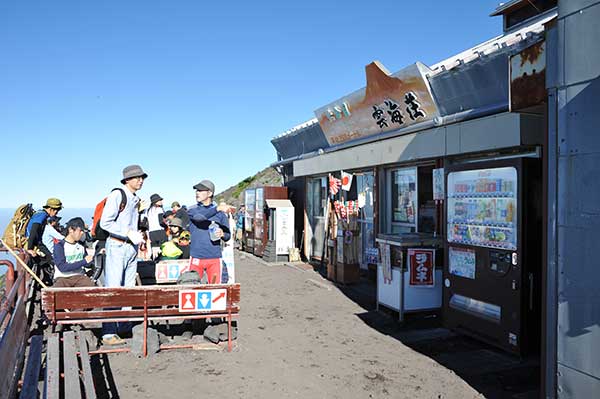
(279, 203)
(499, 131)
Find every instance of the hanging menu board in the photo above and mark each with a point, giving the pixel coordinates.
(482, 207)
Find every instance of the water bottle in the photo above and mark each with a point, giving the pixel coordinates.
(212, 230)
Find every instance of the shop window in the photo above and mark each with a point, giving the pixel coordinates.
(411, 207)
(427, 208)
(403, 189)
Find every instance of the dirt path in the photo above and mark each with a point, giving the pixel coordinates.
(300, 337)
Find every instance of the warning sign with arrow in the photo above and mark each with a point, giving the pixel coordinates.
(202, 300)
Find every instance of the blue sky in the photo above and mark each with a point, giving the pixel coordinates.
(190, 89)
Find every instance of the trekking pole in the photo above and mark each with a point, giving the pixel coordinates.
(24, 265)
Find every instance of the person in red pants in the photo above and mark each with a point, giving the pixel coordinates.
(209, 226)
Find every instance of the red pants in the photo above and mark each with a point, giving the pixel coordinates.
(212, 267)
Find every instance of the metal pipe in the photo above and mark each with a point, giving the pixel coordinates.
(102, 351)
(186, 346)
(10, 274)
(9, 301)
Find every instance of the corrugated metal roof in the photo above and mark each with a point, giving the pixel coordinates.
(503, 7)
(297, 128)
(302, 139)
(491, 46)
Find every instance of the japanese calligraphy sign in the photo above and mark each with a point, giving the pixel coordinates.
(421, 264)
(389, 102)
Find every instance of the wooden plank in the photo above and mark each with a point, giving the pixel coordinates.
(72, 383)
(102, 314)
(52, 386)
(32, 371)
(88, 378)
(12, 347)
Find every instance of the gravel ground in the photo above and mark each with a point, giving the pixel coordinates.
(299, 337)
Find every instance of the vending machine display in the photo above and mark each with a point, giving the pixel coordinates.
(492, 276)
(259, 205)
(250, 202)
(482, 208)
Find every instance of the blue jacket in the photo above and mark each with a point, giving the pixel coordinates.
(200, 218)
(35, 229)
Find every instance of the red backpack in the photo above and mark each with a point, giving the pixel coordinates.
(98, 232)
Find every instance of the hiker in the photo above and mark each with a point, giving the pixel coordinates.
(70, 258)
(35, 231)
(37, 225)
(145, 247)
(178, 246)
(183, 242)
(181, 213)
(239, 226)
(156, 224)
(208, 227)
(123, 239)
(52, 233)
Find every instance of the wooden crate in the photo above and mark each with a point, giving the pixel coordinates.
(331, 264)
(347, 273)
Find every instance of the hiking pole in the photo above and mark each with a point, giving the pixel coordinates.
(24, 265)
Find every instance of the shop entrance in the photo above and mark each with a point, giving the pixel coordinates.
(316, 195)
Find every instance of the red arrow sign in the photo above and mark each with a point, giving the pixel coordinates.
(221, 295)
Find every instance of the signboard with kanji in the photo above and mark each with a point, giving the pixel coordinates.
(388, 102)
(202, 300)
(421, 263)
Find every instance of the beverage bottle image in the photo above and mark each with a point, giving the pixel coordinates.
(212, 231)
(509, 211)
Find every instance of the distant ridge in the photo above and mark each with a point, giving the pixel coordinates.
(234, 194)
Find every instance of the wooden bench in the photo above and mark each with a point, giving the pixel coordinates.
(142, 303)
(74, 348)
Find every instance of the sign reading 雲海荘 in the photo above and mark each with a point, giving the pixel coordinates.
(389, 102)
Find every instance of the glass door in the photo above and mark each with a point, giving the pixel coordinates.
(365, 196)
(316, 207)
(403, 200)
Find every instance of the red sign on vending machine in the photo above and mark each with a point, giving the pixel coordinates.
(422, 267)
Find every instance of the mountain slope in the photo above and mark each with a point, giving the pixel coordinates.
(234, 195)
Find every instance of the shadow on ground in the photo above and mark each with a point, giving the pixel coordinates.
(490, 371)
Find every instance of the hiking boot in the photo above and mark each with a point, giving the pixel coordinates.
(113, 341)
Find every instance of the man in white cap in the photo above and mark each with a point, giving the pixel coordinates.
(121, 223)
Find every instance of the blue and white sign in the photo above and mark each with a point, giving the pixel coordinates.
(168, 271)
(202, 300)
(173, 271)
